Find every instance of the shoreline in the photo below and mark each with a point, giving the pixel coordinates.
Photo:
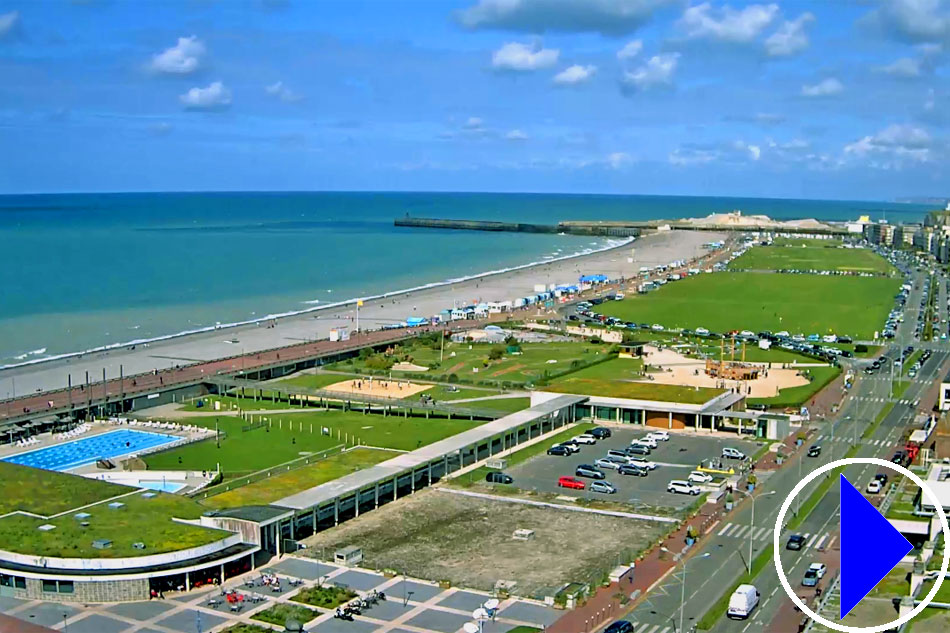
(316, 323)
(351, 301)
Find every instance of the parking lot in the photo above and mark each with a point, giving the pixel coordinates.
(675, 459)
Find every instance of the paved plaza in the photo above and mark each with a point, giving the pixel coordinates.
(411, 606)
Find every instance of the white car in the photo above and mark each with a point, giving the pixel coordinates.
(645, 441)
(661, 436)
(656, 327)
(746, 333)
(783, 334)
(697, 477)
(584, 438)
(642, 463)
(702, 331)
(819, 569)
(603, 462)
(874, 486)
(678, 486)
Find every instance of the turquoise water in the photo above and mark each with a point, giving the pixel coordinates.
(81, 271)
(88, 449)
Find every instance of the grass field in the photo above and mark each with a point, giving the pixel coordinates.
(283, 485)
(762, 301)
(613, 378)
(469, 361)
(811, 257)
(290, 436)
(806, 241)
(141, 519)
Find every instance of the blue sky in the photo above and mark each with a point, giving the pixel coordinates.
(830, 99)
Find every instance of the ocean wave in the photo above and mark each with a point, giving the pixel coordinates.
(606, 245)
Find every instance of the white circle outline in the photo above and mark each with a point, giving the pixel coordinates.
(880, 628)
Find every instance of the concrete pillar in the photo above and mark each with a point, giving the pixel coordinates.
(395, 490)
(187, 581)
(670, 418)
(430, 465)
(222, 573)
(336, 511)
(376, 498)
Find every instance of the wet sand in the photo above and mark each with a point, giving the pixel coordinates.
(650, 250)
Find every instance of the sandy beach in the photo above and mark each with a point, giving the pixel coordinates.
(649, 250)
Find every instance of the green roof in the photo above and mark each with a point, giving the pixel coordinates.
(634, 390)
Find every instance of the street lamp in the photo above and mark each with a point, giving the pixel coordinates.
(752, 520)
(683, 587)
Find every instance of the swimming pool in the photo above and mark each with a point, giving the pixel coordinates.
(88, 449)
(161, 486)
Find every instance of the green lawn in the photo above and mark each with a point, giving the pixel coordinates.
(632, 390)
(311, 381)
(810, 257)
(469, 361)
(507, 405)
(291, 436)
(803, 304)
(807, 241)
(141, 519)
(797, 396)
(235, 403)
(325, 597)
(285, 484)
(283, 611)
(48, 492)
(247, 628)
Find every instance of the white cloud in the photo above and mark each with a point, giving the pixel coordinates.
(609, 17)
(727, 24)
(893, 147)
(914, 20)
(790, 38)
(524, 57)
(8, 22)
(215, 97)
(825, 88)
(473, 123)
(734, 152)
(617, 160)
(516, 135)
(904, 67)
(181, 59)
(282, 92)
(657, 71)
(575, 74)
(630, 50)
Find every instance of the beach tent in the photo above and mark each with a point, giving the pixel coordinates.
(593, 279)
(415, 321)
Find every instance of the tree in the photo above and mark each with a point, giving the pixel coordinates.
(496, 352)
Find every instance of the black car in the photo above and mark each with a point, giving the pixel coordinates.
(814, 450)
(881, 477)
(600, 432)
(559, 450)
(496, 477)
(898, 458)
(586, 470)
(620, 626)
(795, 542)
(633, 469)
(637, 449)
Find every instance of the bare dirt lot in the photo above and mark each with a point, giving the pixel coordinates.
(440, 536)
(378, 387)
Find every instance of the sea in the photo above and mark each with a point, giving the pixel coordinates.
(85, 271)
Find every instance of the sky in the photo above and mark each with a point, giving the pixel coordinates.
(844, 99)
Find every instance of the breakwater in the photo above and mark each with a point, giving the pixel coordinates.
(572, 228)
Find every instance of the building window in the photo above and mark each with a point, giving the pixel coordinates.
(58, 586)
(17, 582)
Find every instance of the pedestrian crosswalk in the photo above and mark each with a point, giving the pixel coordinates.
(763, 533)
(850, 440)
(880, 400)
(646, 627)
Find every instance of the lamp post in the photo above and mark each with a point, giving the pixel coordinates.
(752, 520)
(683, 587)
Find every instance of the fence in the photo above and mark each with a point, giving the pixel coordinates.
(260, 475)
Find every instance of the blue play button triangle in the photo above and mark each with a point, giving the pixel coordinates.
(870, 547)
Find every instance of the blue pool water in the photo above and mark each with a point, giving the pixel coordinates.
(89, 449)
(161, 486)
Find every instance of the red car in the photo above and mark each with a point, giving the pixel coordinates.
(570, 482)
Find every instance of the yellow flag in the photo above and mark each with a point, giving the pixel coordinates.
(360, 303)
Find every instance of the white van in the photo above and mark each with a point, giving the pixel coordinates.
(732, 453)
(743, 602)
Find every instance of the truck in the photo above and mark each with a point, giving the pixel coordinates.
(743, 602)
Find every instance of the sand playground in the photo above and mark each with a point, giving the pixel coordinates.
(677, 369)
(382, 387)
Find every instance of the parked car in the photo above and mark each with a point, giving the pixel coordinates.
(732, 453)
(603, 486)
(620, 455)
(573, 447)
(620, 626)
(560, 450)
(638, 449)
(584, 438)
(496, 477)
(642, 463)
(600, 432)
(882, 477)
(646, 441)
(586, 470)
(874, 486)
(795, 542)
(605, 462)
(814, 450)
(678, 486)
(814, 573)
(662, 436)
(633, 469)
(570, 482)
(697, 477)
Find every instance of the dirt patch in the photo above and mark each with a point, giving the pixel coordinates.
(378, 387)
(409, 367)
(454, 368)
(507, 370)
(468, 541)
